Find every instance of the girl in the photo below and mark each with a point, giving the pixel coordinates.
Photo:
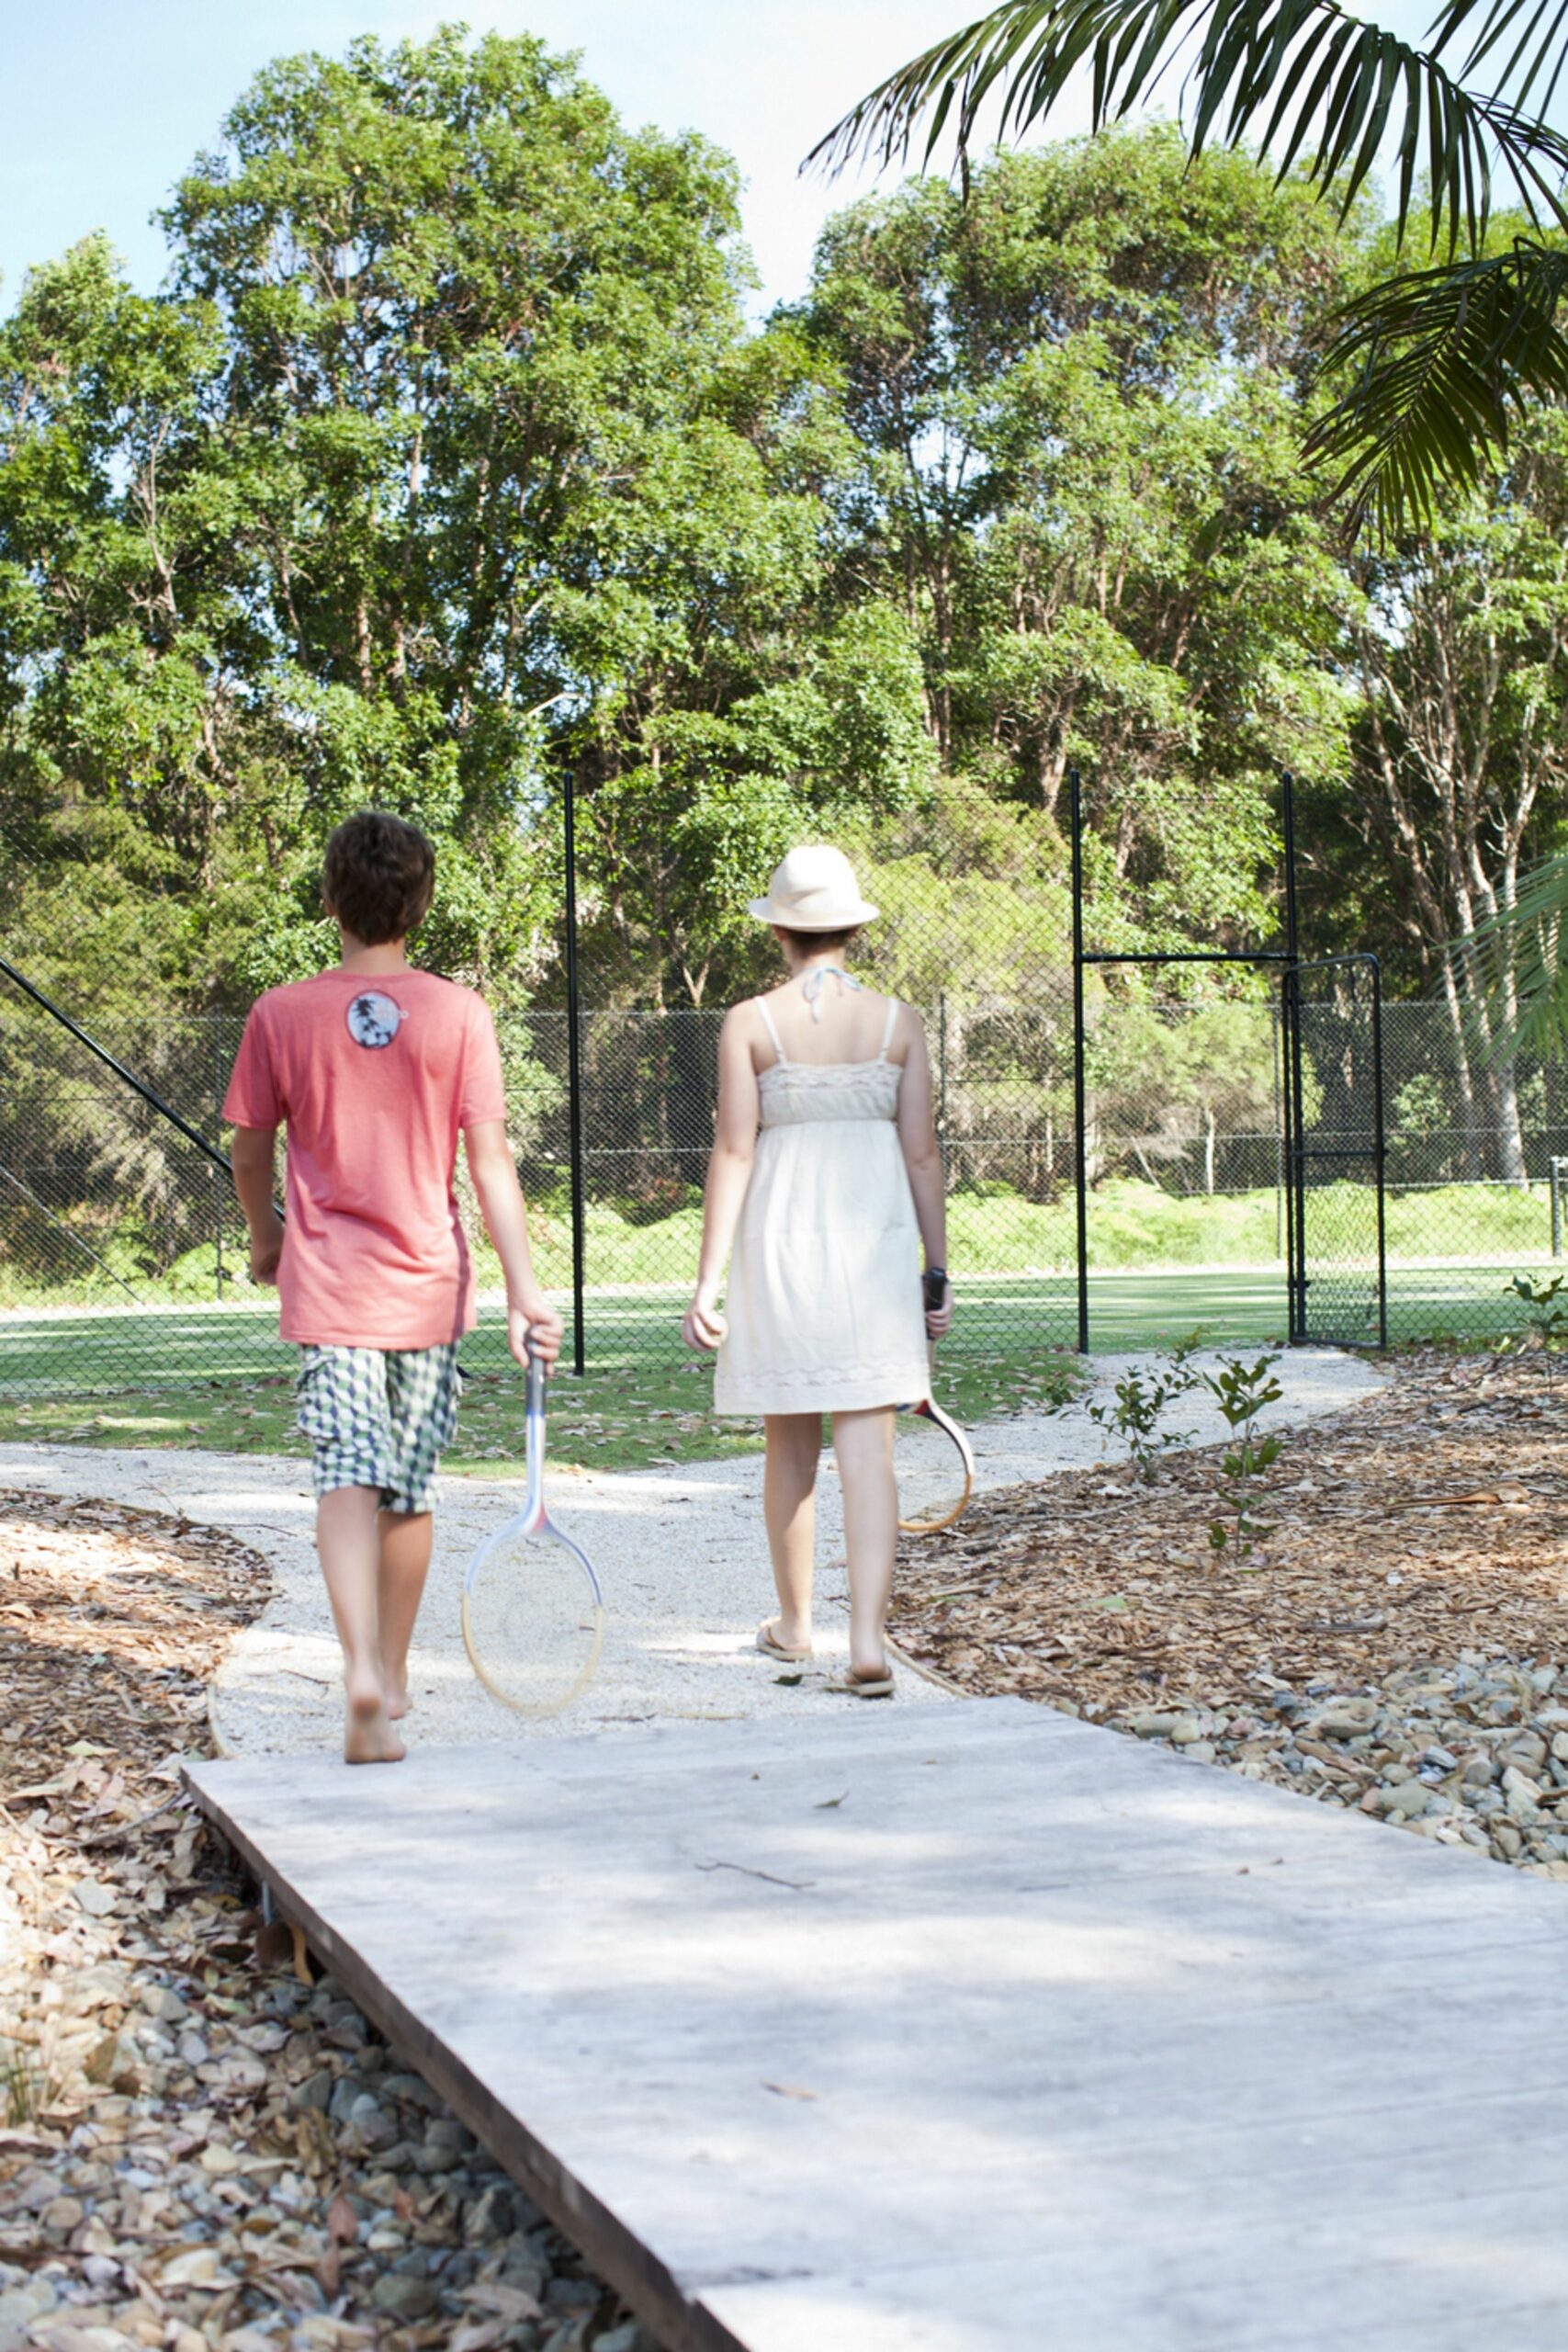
(826, 1309)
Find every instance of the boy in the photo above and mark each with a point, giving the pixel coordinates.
(375, 1068)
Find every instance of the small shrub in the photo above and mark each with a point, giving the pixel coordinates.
(1546, 1317)
(1141, 1400)
(1241, 1391)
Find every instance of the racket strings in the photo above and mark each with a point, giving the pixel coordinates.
(932, 1476)
(531, 1620)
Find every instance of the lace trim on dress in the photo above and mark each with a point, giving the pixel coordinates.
(810, 1379)
(792, 1094)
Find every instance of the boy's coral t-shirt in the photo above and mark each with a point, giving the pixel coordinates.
(374, 1078)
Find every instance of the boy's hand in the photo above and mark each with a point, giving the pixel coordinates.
(535, 1325)
(267, 1249)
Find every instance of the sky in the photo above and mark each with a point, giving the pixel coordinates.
(104, 103)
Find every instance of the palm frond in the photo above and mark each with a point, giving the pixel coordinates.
(1317, 84)
(1527, 945)
(1438, 360)
(1532, 68)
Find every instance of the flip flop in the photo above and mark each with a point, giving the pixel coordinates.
(865, 1686)
(770, 1648)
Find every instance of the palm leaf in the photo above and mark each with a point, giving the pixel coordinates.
(1532, 68)
(1527, 944)
(1294, 71)
(1438, 359)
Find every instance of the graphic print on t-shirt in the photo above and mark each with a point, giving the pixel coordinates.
(373, 1019)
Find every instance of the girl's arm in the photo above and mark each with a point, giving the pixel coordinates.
(923, 1157)
(730, 1173)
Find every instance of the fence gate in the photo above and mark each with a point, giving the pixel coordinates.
(1336, 1259)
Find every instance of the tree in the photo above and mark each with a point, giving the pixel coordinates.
(1074, 400)
(1435, 362)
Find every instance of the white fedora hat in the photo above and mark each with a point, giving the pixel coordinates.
(814, 888)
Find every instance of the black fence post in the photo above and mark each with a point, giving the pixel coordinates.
(1080, 1091)
(1290, 1060)
(574, 1083)
(1380, 1145)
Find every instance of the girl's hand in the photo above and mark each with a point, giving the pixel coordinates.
(703, 1325)
(938, 1319)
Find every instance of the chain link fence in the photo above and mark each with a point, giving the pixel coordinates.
(123, 1258)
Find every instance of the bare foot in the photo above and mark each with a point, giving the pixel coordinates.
(368, 1737)
(398, 1699)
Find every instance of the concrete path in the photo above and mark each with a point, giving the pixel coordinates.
(960, 2029)
(681, 1554)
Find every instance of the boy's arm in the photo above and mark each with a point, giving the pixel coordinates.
(531, 1320)
(250, 1159)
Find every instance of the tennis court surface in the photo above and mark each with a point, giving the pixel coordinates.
(956, 2028)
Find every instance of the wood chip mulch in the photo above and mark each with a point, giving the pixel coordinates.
(1431, 1519)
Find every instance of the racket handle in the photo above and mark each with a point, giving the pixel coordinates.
(536, 1382)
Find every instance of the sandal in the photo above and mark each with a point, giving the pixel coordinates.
(856, 1685)
(770, 1648)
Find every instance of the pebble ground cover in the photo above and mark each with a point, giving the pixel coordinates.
(199, 2152)
(1398, 1642)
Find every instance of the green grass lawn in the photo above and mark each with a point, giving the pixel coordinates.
(641, 1400)
(219, 1378)
(1134, 1227)
(174, 1371)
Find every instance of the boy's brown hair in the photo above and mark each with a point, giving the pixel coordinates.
(379, 875)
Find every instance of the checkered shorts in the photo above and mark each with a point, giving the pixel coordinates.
(379, 1417)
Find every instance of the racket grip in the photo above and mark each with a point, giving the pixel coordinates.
(535, 1398)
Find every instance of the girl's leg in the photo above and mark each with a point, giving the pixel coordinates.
(404, 1563)
(789, 1509)
(864, 1444)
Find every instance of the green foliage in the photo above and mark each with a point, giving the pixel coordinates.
(1141, 1398)
(1241, 1390)
(1326, 93)
(1074, 401)
(1545, 1316)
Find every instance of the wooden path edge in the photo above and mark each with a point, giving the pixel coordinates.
(605, 2243)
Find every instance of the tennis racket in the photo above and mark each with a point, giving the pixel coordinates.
(533, 1613)
(932, 1462)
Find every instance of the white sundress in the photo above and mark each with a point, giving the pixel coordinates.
(823, 1304)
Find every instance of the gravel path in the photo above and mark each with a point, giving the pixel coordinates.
(681, 1554)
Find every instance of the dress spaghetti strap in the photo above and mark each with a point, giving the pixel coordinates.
(768, 1026)
(887, 1031)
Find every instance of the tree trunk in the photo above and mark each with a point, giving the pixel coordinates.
(1462, 1077)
